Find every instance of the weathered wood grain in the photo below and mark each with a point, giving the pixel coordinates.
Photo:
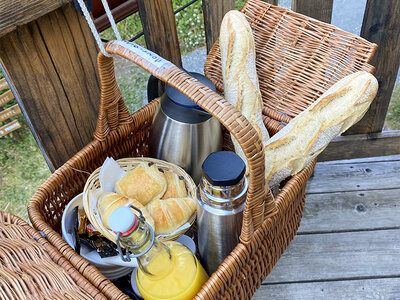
(381, 25)
(339, 256)
(3, 84)
(9, 127)
(365, 160)
(317, 9)
(273, 2)
(9, 112)
(159, 29)
(52, 63)
(349, 211)
(19, 12)
(6, 97)
(368, 289)
(214, 12)
(354, 177)
(362, 145)
(120, 10)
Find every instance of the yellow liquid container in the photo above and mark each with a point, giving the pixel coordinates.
(182, 282)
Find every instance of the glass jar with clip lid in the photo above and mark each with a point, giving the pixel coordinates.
(167, 270)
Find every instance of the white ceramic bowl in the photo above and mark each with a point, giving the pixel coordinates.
(111, 267)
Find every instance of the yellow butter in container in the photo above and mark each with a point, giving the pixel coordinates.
(166, 270)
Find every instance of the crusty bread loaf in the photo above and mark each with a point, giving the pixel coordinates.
(238, 58)
(300, 141)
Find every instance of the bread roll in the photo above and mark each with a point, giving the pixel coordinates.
(238, 58)
(144, 183)
(170, 214)
(305, 136)
(107, 202)
(176, 187)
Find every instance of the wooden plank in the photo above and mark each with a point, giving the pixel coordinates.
(362, 145)
(354, 177)
(273, 2)
(19, 12)
(339, 256)
(9, 127)
(214, 12)
(9, 112)
(349, 211)
(3, 84)
(119, 12)
(365, 160)
(381, 25)
(6, 97)
(317, 9)
(368, 289)
(52, 63)
(159, 29)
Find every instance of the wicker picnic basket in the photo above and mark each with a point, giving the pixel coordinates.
(298, 58)
(31, 268)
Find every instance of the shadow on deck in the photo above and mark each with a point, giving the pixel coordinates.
(348, 243)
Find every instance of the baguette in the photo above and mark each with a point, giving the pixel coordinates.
(308, 134)
(238, 58)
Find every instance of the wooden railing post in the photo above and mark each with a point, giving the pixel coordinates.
(51, 62)
(317, 9)
(214, 11)
(159, 29)
(381, 25)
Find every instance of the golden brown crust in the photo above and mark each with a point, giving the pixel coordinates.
(144, 183)
(239, 72)
(170, 214)
(107, 202)
(175, 186)
(307, 135)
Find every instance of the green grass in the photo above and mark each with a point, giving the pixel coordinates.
(393, 116)
(23, 168)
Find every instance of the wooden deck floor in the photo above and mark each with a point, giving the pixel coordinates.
(348, 243)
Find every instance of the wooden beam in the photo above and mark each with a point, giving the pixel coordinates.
(317, 9)
(119, 12)
(9, 127)
(381, 25)
(3, 84)
(52, 64)
(214, 12)
(6, 97)
(273, 2)
(9, 112)
(362, 145)
(159, 29)
(20, 12)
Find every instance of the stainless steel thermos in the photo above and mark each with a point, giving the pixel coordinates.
(221, 200)
(182, 132)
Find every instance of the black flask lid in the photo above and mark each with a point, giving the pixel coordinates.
(223, 168)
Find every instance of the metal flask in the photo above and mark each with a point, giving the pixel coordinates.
(221, 200)
(182, 132)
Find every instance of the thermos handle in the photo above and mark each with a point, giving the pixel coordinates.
(152, 88)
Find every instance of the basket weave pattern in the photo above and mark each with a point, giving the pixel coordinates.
(298, 58)
(33, 269)
(128, 164)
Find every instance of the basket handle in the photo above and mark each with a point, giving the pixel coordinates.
(113, 114)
